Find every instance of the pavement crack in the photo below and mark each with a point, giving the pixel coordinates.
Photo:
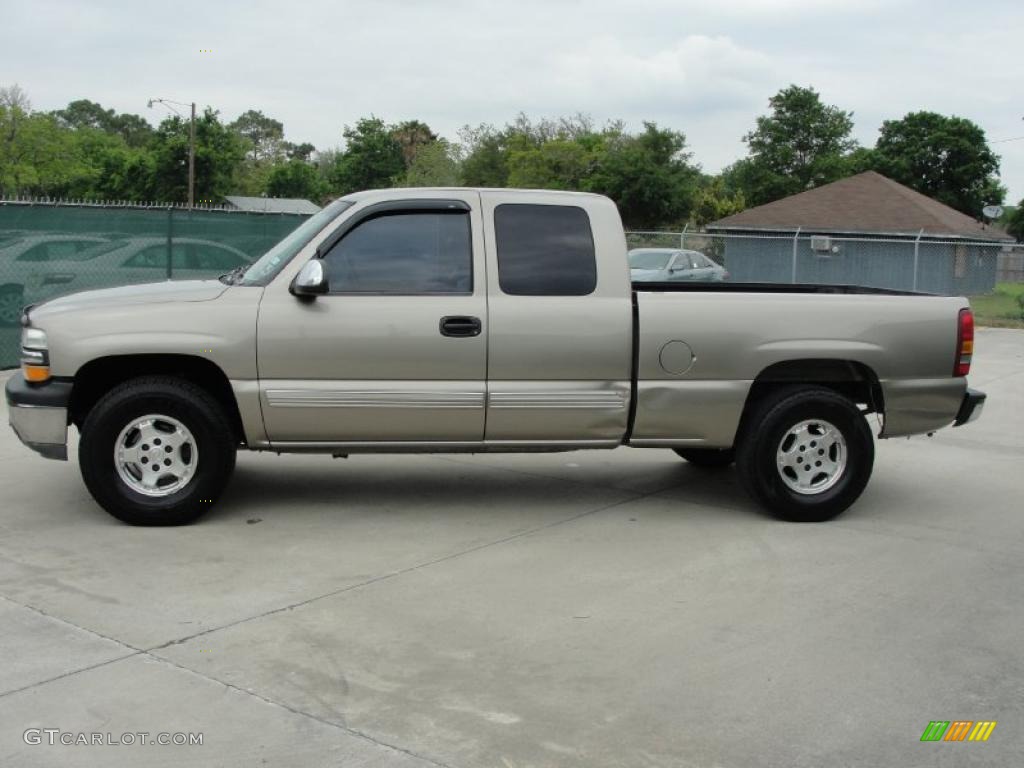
(295, 711)
(132, 650)
(402, 572)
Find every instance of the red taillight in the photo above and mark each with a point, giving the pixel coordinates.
(964, 343)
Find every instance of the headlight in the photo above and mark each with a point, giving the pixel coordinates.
(35, 355)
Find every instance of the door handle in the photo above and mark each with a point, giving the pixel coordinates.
(460, 326)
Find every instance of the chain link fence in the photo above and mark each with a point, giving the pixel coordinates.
(947, 267)
(50, 248)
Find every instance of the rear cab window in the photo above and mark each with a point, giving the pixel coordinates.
(544, 250)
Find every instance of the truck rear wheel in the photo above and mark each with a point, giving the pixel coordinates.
(156, 450)
(707, 458)
(806, 454)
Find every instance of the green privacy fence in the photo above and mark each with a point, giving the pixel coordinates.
(48, 249)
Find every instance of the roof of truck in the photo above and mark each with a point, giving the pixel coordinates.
(415, 191)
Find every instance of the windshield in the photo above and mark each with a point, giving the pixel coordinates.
(649, 259)
(269, 264)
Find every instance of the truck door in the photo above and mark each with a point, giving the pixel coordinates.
(560, 321)
(396, 351)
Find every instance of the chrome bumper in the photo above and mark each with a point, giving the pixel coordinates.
(38, 414)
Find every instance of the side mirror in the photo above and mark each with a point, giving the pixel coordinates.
(311, 280)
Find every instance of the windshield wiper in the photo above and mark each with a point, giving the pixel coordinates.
(232, 277)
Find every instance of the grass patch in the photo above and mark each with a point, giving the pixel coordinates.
(1000, 308)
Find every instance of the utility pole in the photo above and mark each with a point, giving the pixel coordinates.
(191, 143)
(192, 159)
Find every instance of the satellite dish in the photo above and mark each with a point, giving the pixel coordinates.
(992, 211)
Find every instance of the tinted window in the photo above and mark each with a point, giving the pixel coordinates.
(404, 253)
(544, 250)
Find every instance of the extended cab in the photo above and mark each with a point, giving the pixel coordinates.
(480, 320)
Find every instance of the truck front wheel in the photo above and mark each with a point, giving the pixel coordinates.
(156, 450)
(806, 453)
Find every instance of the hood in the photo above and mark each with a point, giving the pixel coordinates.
(146, 293)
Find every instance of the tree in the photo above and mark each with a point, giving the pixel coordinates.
(435, 165)
(412, 136)
(88, 115)
(485, 152)
(37, 157)
(947, 158)
(558, 163)
(802, 144)
(263, 134)
(219, 154)
(714, 202)
(1015, 221)
(14, 97)
(303, 151)
(649, 176)
(295, 179)
(372, 158)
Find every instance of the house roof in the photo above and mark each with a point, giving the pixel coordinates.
(272, 204)
(868, 203)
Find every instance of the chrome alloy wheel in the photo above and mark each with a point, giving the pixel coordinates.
(812, 457)
(156, 455)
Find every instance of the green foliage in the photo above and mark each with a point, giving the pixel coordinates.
(486, 156)
(372, 158)
(1015, 221)
(84, 114)
(802, 144)
(263, 135)
(86, 150)
(219, 153)
(649, 176)
(36, 156)
(412, 136)
(435, 165)
(296, 179)
(714, 202)
(947, 158)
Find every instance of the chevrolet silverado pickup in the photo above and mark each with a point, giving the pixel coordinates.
(465, 320)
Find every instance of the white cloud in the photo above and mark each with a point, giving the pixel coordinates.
(704, 68)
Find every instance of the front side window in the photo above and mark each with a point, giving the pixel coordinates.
(404, 253)
(545, 250)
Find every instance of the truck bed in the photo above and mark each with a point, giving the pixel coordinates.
(727, 287)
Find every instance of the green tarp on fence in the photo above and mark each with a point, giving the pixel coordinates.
(49, 249)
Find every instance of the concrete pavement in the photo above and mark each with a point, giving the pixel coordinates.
(584, 609)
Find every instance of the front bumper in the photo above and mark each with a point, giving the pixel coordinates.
(38, 414)
(970, 408)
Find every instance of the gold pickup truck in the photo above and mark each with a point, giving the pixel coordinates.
(480, 320)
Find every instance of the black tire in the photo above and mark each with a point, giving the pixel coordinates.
(12, 300)
(707, 458)
(771, 421)
(193, 407)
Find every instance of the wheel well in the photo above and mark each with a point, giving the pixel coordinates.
(97, 377)
(853, 380)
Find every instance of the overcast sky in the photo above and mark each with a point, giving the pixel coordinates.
(705, 68)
